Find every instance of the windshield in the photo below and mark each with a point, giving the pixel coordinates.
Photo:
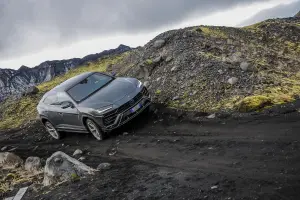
(88, 86)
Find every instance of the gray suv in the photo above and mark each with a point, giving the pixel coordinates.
(92, 102)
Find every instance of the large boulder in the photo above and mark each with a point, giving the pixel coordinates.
(232, 80)
(10, 160)
(61, 167)
(32, 90)
(159, 43)
(33, 164)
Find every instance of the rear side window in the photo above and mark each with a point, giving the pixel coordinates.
(51, 99)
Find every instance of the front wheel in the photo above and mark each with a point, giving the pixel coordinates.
(94, 129)
(52, 130)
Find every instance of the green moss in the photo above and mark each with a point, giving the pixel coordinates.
(253, 103)
(292, 47)
(74, 177)
(173, 104)
(253, 26)
(210, 55)
(158, 92)
(148, 62)
(214, 32)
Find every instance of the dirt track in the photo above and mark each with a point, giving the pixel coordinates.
(162, 157)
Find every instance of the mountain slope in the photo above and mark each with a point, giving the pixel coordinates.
(16, 81)
(212, 68)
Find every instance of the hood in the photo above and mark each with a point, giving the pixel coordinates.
(111, 94)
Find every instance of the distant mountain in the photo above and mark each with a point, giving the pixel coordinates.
(280, 11)
(17, 81)
(297, 15)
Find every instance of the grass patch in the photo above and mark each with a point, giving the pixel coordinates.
(149, 62)
(158, 92)
(214, 32)
(253, 103)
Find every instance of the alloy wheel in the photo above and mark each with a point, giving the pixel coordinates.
(93, 128)
(51, 130)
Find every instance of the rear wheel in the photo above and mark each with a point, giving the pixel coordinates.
(94, 129)
(52, 130)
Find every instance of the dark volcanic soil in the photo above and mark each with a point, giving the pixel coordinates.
(162, 157)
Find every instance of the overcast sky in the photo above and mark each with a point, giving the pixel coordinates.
(33, 31)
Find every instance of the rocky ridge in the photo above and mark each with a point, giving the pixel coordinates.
(17, 81)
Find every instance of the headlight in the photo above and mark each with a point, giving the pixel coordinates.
(139, 84)
(104, 109)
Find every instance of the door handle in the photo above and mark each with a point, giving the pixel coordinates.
(60, 113)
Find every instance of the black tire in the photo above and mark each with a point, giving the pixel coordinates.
(52, 130)
(94, 129)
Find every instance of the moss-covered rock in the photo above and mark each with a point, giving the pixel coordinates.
(253, 103)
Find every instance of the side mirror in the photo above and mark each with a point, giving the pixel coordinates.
(66, 104)
(113, 74)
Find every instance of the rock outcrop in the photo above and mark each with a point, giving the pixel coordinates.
(61, 167)
(10, 160)
(33, 164)
(15, 82)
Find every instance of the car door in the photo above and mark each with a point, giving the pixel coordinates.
(52, 110)
(70, 114)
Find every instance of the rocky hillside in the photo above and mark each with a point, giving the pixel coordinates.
(298, 14)
(209, 69)
(16, 81)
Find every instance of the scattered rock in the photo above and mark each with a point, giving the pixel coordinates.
(212, 116)
(244, 66)
(175, 68)
(10, 160)
(159, 43)
(4, 148)
(229, 41)
(220, 71)
(125, 133)
(61, 167)
(112, 153)
(175, 98)
(146, 83)
(12, 149)
(233, 80)
(32, 90)
(214, 187)
(157, 60)
(169, 58)
(104, 166)
(33, 164)
(82, 158)
(77, 152)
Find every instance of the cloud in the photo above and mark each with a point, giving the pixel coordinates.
(29, 26)
(280, 11)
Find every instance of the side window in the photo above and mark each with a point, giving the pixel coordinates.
(63, 97)
(51, 99)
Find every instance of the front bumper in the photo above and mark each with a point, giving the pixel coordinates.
(124, 113)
